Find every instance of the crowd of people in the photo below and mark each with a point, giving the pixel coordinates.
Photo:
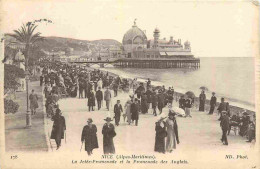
(63, 80)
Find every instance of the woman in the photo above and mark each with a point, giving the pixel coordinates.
(33, 102)
(89, 135)
(58, 128)
(202, 98)
(160, 128)
(109, 133)
(188, 104)
(128, 111)
(172, 132)
(91, 100)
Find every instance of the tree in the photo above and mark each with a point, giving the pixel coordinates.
(26, 36)
(11, 74)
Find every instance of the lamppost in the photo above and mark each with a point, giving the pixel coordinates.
(28, 114)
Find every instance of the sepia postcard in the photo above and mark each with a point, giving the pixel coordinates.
(129, 84)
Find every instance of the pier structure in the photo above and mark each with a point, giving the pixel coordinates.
(146, 63)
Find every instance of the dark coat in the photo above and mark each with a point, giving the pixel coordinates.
(109, 133)
(99, 95)
(160, 135)
(89, 135)
(182, 103)
(149, 96)
(222, 107)
(144, 105)
(154, 100)
(224, 122)
(117, 111)
(58, 127)
(213, 101)
(161, 99)
(134, 111)
(91, 99)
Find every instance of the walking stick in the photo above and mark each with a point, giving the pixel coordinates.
(81, 146)
(65, 137)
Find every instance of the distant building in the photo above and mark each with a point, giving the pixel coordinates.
(136, 45)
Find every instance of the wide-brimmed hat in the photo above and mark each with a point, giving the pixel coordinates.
(90, 120)
(108, 119)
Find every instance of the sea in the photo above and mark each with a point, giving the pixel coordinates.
(230, 77)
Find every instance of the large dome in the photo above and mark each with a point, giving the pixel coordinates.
(134, 35)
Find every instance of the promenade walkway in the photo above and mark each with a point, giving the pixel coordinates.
(17, 137)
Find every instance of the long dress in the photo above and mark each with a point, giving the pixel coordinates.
(172, 133)
(160, 137)
(109, 133)
(33, 101)
(128, 110)
(202, 102)
(89, 135)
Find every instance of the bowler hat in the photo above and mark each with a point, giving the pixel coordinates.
(90, 120)
(108, 119)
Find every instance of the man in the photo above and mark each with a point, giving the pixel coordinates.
(59, 127)
(144, 105)
(89, 135)
(244, 124)
(91, 100)
(149, 96)
(182, 102)
(81, 88)
(154, 99)
(202, 98)
(135, 111)
(117, 110)
(99, 97)
(115, 87)
(33, 102)
(41, 80)
(161, 100)
(251, 130)
(213, 102)
(234, 121)
(107, 97)
(222, 107)
(224, 124)
(140, 90)
(109, 133)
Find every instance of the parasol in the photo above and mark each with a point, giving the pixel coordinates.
(190, 94)
(204, 88)
(179, 111)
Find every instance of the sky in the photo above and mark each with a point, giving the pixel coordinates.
(214, 28)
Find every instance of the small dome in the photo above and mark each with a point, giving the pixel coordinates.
(187, 43)
(134, 33)
(156, 30)
(19, 56)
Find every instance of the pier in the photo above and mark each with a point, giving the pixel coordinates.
(147, 63)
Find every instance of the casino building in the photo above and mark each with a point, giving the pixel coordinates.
(138, 51)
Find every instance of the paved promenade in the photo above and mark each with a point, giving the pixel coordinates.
(17, 137)
(202, 131)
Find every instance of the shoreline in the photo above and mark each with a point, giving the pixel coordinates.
(177, 95)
